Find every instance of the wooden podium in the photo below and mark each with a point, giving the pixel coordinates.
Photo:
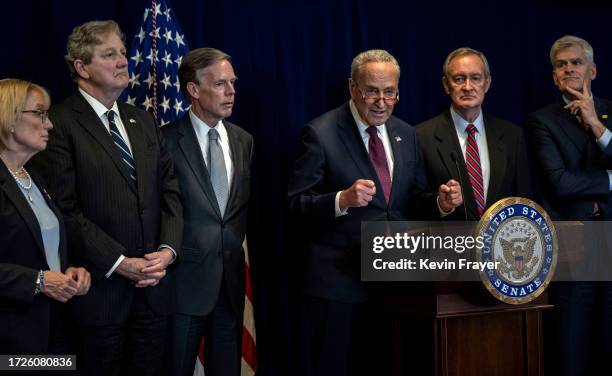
(459, 329)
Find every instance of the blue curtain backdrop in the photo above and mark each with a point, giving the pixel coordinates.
(292, 59)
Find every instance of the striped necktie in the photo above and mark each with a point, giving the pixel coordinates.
(122, 146)
(472, 163)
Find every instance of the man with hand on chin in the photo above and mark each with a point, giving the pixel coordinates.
(357, 163)
(571, 148)
(110, 175)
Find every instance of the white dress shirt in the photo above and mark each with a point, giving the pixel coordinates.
(201, 130)
(101, 111)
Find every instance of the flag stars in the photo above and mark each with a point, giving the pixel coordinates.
(166, 81)
(137, 58)
(179, 40)
(147, 103)
(167, 14)
(134, 80)
(152, 57)
(167, 58)
(155, 33)
(165, 104)
(156, 9)
(149, 80)
(178, 60)
(178, 106)
(177, 84)
(141, 35)
(131, 100)
(168, 35)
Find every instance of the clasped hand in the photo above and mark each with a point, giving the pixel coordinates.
(148, 270)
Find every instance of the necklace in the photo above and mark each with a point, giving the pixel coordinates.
(26, 186)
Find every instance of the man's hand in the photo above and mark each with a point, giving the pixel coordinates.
(449, 196)
(359, 194)
(583, 107)
(59, 286)
(132, 269)
(82, 277)
(163, 257)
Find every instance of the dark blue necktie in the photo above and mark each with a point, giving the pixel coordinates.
(124, 150)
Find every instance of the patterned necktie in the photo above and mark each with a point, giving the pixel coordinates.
(217, 170)
(472, 163)
(124, 150)
(378, 158)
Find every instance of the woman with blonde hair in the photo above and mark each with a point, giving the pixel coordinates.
(34, 276)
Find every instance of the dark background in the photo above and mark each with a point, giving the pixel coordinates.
(293, 60)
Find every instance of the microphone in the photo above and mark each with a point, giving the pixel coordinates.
(455, 158)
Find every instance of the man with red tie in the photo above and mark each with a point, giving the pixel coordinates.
(486, 154)
(357, 163)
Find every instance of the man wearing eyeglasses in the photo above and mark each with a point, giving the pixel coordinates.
(357, 163)
(486, 154)
(570, 143)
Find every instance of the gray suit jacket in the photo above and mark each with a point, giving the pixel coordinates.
(212, 244)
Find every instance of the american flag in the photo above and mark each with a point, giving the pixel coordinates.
(155, 56)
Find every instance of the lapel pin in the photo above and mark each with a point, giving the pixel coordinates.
(398, 139)
(604, 116)
(132, 121)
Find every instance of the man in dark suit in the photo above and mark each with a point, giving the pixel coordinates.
(486, 154)
(357, 163)
(570, 145)
(110, 174)
(212, 159)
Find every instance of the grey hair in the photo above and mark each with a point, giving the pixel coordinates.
(465, 51)
(570, 41)
(372, 56)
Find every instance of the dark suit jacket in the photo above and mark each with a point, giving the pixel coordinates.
(509, 170)
(24, 318)
(331, 158)
(107, 214)
(212, 244)
(572, 167)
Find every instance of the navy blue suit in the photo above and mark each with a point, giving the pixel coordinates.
(572, 171)
(332, 157)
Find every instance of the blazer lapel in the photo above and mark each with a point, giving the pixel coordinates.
(350, 137)
(570, 126)
(237, 155)
(497, 158)
(92, 124)
(9, 186)
(137, 138)
(190, 147)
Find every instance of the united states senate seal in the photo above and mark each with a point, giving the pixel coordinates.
(520, 240)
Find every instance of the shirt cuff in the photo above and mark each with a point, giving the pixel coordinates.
(442, 212)
(609, 179)
(170, 248)
(339, 212)
(605, 138)
(115, 266)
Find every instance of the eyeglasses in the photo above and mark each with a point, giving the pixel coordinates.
(42, 114)
(373, 95)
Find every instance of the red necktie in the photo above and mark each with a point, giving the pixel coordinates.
(378, 158)
(472, 163)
